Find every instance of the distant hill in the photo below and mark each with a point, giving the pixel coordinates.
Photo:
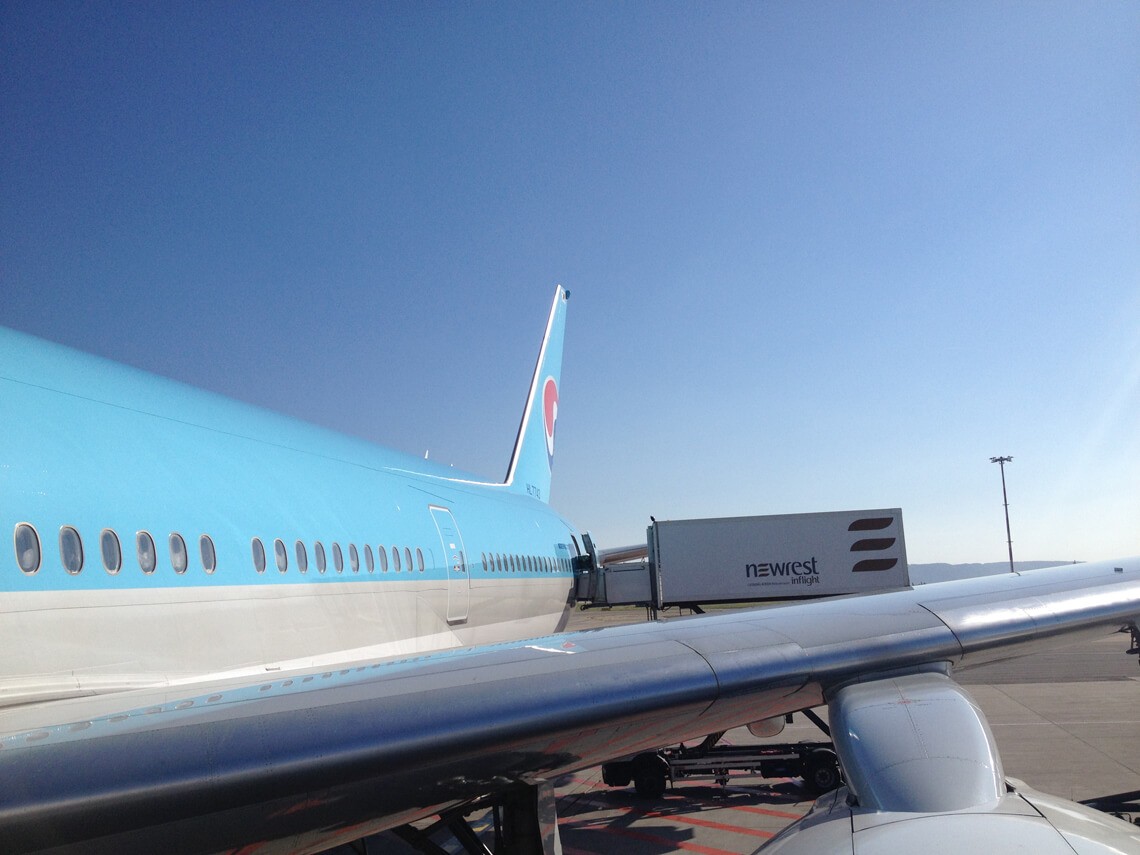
(922, 574)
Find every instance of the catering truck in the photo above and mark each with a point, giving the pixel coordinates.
(699, 562)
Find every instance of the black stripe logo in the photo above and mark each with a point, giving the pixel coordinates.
(871, 524)
(872, 565)
(872, 544)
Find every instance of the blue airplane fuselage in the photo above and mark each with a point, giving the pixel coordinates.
(274, 542)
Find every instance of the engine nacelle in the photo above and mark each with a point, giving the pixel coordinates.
(767, 727)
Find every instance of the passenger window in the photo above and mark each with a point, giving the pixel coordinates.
(338, 558)
(209, 555)
(302, 557)
(281, 555)
(319, 551)
(395, 559)
(419, 559)
(408, 558)
(27, 548)
(382, 554)
(70, 549)
(353, 558)
(368, 560)
(258, 555)
(499, 561)
(483, 555)
(179, 560)
(112, 552)
(148, 555)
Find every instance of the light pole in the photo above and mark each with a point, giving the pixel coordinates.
(1001, 461)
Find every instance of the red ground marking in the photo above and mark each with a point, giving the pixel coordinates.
(596, 785)
(664, 841)
(779, 814)
(708, 823)
(682, 818)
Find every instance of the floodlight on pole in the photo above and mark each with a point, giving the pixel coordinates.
(1001, 461)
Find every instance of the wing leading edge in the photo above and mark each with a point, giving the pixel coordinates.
(304, 757)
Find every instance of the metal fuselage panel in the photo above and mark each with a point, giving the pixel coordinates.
(97, 446)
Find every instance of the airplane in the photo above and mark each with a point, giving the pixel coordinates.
(225, 630)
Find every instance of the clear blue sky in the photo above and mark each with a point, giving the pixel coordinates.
(822, 256)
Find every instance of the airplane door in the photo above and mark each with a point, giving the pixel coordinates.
(458, 579)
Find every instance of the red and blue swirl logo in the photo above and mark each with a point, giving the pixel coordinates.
(549, 416)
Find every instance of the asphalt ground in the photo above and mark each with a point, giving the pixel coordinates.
(1066, 723)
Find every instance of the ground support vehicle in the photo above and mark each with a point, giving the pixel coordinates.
(651, 773)
(737, 560)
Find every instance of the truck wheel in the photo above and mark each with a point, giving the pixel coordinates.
(650, 775)
(649, 783)
(821, 772)
(617, 774)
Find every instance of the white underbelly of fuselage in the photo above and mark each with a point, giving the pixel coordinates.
(62, 644)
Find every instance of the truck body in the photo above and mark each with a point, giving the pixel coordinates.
(700, 562)
(739, 559)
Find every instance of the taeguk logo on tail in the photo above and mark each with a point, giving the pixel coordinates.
(549, 416)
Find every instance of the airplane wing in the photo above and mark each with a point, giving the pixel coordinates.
(299, 762)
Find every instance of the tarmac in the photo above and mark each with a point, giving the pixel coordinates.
(1066, 723)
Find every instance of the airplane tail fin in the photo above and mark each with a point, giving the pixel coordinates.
(533, 456)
